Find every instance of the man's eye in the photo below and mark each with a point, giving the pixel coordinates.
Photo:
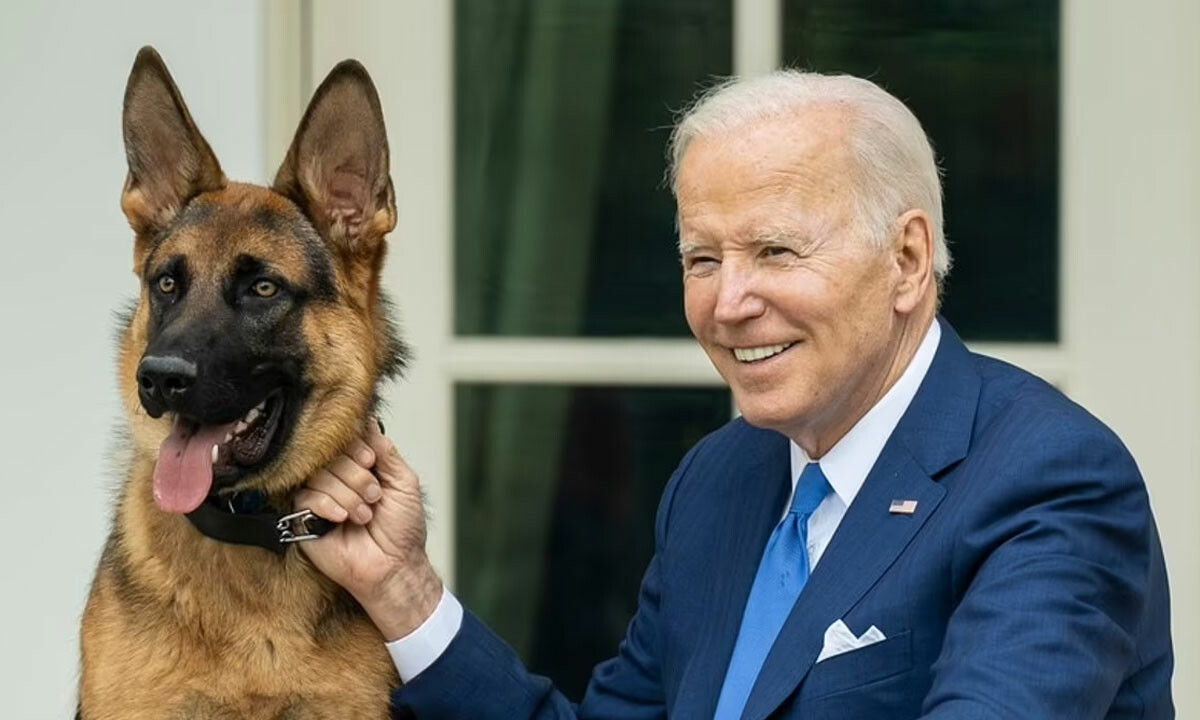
(264, 288)
(701, 262)
(773, 251)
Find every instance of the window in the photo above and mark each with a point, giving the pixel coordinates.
(982, 77)
(565, 228)
(563, 224)
(556, 498)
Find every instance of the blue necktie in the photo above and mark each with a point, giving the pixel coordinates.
(782, 573)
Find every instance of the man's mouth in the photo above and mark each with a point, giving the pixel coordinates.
(193, 454)
(756, 354)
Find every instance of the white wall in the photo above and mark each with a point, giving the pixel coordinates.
(66, 261)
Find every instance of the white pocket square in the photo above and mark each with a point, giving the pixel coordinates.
(839, 639)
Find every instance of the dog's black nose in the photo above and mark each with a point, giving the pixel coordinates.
(164, 382)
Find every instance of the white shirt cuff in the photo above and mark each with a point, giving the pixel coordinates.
(416, 651)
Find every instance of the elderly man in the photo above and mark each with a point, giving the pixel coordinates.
(895, 528)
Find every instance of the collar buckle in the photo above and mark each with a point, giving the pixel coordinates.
(294, 527)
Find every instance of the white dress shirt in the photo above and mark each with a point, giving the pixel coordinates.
(847, 463)
(845, 466)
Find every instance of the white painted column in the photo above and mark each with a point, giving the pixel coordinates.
(1131, 263)
(408, 49)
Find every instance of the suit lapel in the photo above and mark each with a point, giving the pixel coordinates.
(933, 434)
(866, 544)
(757, 493)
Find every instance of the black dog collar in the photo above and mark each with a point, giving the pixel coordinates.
(247, 519)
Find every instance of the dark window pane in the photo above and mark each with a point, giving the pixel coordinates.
(556, 492)
(983, 78)
(563, 225)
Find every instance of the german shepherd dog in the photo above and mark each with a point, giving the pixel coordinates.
(250, 361)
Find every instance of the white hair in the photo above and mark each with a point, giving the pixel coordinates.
(895, 163)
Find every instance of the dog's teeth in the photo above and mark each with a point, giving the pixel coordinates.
(240, 427)
(261, 406)
(228, 437)
(215, 451)
(252, 415)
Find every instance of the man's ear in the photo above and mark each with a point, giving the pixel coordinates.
(337, 167)
(912, 248)
(169, 160)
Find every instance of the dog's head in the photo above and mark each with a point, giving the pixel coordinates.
(260, 332)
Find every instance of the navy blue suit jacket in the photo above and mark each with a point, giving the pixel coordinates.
(1029, 583)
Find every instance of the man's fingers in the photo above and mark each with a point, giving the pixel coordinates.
(321, 504)
(341, 493)
(389, 466)
(361, 452)
(358, 478)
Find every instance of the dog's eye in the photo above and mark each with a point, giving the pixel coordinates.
(264, 288)
(166, 284)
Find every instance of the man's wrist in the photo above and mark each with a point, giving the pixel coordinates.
(414, 653)
(404, 601)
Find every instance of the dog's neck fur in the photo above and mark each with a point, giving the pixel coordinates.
(257, 581)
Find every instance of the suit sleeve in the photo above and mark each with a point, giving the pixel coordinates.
(480, 676)
(1061, 570)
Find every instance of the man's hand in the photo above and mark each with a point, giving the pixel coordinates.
(378, 552)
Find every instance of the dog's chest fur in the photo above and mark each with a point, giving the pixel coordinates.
(179, 626)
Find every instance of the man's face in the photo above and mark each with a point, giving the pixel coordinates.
(787, 296)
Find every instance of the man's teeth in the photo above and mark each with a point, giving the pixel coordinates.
(759, 353)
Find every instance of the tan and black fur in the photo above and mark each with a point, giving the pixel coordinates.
(178, 625)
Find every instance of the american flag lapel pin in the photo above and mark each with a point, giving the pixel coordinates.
(903, 507)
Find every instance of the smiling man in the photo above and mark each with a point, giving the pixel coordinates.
(895, 527)
(809, 307)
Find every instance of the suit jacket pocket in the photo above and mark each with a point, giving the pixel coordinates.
(857, 668)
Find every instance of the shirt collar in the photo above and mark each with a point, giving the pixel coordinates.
(847, 463)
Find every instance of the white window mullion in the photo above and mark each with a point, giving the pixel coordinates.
(617, 361)
(757, 36)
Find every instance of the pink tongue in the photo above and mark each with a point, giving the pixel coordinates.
(183, 474)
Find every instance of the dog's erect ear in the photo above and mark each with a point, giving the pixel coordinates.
(169, 160)
(337, 167)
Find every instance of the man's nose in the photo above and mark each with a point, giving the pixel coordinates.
(738, 298)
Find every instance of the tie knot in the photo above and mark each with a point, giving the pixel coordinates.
(811, 489)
